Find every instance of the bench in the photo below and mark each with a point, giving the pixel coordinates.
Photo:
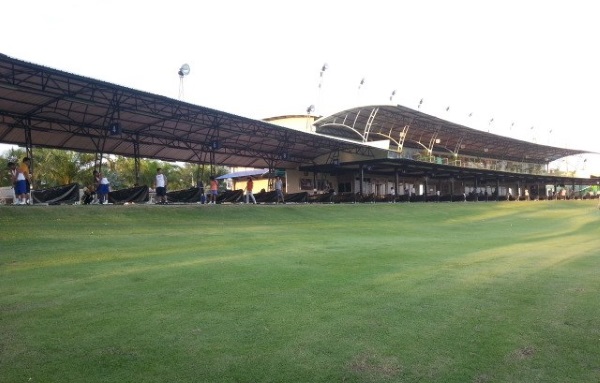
(7, 195)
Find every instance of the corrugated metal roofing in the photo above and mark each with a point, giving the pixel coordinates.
(412, 128)
(45, 107)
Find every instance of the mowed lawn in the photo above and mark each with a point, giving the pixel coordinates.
(422, 292)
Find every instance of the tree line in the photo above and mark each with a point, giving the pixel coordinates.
(55, 167)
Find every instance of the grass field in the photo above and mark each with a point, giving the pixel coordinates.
(450, 292)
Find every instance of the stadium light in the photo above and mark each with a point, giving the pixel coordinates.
(323, 69)
(184, 70)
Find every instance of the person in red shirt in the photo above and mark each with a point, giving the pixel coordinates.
(214, 190)
(249, 186)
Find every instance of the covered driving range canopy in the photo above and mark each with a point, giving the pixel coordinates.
(406, 127)
(45, 107)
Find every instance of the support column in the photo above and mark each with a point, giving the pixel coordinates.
(98, 161)
(136, 159)
(497, 189)
(212, 162)
(361, 181)
(28, 152)
(396, 183)
(272, 171)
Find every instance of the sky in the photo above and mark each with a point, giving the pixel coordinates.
(527, 69)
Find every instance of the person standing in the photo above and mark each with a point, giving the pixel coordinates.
(12, 172)
(214, 190)
(103, 188)
(201, 192)
(279, 190)
(249, 187)
(96, 187)
(22, 187)
(28, 179)
(160, 184)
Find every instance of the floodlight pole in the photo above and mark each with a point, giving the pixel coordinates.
(323, 69)
(360, 85)
(184, 70)
(180, 95)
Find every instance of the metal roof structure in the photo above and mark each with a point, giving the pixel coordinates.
(45, 107)
(406, 127)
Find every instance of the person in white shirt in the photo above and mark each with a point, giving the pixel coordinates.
(279, 190)
(161, 187)
(23, 180)
(104, 188)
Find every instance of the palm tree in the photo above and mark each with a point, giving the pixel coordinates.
(54, 167)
